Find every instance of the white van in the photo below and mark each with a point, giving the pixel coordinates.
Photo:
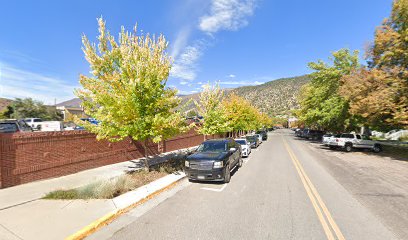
(49, 126)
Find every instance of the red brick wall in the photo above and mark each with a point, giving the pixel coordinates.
(27, 157)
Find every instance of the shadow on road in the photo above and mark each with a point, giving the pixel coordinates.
(216, 182)
(393, 152)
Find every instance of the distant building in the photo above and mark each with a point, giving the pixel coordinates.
(292, 122)
(71, 107)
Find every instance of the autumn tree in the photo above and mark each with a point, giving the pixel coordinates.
(264, 120)
(378, 94)
(127, 91)
(240, 113)
(210, 108)
(321, 105)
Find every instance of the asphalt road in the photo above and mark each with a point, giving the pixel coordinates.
(283, 191)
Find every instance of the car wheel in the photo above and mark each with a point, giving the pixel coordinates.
(377, 148)
(240, 162)
(227, 175)
(348, 148)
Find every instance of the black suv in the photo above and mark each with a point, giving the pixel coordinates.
(264, 135)
(214, 160)
(13, 125)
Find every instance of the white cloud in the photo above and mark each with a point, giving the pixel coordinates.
(231, 76)
(227, 15)
(223, 15)
(182, 92)
(185, 66)
(19, 83)
(240, 83)
(180, 42)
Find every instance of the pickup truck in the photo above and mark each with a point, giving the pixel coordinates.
(349, 141)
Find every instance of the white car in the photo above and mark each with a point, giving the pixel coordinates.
(259, 136)
(245, 146)
(326, 139)
(33, 122)
(333, 141)
(349, 141)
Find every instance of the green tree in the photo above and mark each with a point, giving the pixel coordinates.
(127, 90)
(29, 108)
(209, 106)
(191, 113)
(321, 105)
(7, 113)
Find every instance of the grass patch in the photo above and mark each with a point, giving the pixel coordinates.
(403, 139)
(114, 187)
(397, 152)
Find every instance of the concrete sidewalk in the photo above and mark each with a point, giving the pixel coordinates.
(24, 215)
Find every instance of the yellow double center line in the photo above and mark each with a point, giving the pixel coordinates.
(322, 212)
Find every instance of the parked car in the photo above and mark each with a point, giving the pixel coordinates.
(13, 125)
(298, 132)
(313, 134)
(326, 139)
(245, 146)
(304, 132)
(259, 136)
(349, 141)
(33, 122)
(91, 120)
(332, 141)
(214, 160)
(264, 135)
(50, 126)
(253, 140)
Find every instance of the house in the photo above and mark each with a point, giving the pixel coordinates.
(71, 107)
(292, 122)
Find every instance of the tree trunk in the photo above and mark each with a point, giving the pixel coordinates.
(146, 159)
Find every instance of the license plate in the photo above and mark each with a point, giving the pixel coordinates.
(200, 177)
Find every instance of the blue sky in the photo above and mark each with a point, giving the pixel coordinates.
(234, 42)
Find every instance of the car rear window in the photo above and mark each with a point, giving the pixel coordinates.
(347, 136)
(8, 127)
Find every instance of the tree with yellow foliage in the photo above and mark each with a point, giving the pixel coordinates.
(127, 89)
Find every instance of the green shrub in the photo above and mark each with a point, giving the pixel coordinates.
(62, 194)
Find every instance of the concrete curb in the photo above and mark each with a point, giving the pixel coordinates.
(128, 201)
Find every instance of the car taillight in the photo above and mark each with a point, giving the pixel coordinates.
(337, 140)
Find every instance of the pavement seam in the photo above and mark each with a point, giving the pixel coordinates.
(8, 230)
(19, 204)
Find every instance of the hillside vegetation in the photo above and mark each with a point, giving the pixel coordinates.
(4, 102)
(276, 97)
